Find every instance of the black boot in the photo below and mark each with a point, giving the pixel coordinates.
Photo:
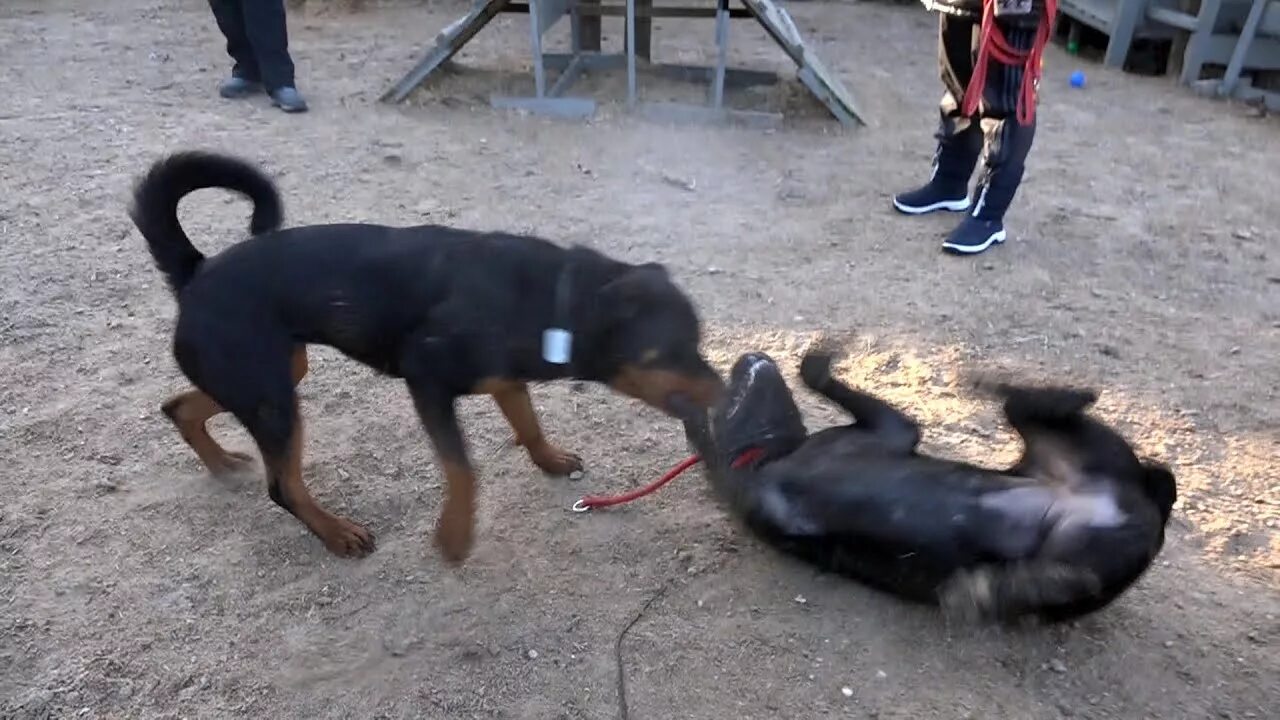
(953, 163)
(1007, 146)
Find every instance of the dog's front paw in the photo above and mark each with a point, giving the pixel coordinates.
(347, 539)
(815, 366)
(454, 534)
(555, 461)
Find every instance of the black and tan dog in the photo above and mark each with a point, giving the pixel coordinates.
(452, 312)
(1059, 534)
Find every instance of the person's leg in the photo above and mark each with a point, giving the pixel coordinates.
(245, 78)
(269, 35)
(959, 138)
(1007, 144)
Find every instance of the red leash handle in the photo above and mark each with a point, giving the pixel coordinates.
(992, 44)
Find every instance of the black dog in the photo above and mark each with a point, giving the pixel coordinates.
(1061, 533)
(450, 311)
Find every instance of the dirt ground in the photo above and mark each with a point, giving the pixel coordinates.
(1143, 259)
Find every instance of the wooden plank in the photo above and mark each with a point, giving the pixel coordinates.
(1175, 18)
(1247, 33)
(1262, 53)
(1121, 32)
(550, 12)
(594, 9)
(813, 73)
(1097, 14)
(448, 42)
(1270, 23)
(1178, 49)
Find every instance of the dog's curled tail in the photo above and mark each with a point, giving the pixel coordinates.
(157, 194)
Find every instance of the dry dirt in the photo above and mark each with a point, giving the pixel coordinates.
(1143, 259)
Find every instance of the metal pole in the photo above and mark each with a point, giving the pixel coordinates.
(631, 53)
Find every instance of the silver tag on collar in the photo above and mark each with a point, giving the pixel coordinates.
(557, 345)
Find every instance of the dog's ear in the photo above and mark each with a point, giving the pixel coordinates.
(626, 296)
(655, 267)
(1160, 485)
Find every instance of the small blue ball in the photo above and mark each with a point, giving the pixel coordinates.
(1077, 79)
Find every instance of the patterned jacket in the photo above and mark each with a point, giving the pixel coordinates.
(972, 9)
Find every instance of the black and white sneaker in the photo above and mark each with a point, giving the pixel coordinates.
(931, 198)
(288, 99)
(237, 87)
(974, 235)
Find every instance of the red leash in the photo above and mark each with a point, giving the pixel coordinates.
(992, 44)
(590, 502)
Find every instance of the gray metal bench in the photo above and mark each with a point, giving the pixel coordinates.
(1122, 21)
(1209, 32)
(1263, 17)
(585, 54)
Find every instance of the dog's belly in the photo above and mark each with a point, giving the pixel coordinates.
(365, 323)
(896, 532)
(1043, 520)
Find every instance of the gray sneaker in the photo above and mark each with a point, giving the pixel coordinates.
(237, 87)
(288, 99)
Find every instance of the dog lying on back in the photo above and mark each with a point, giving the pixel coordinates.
(1061, 533)
(451, 312)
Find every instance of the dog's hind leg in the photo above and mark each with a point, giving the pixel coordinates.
(277, 427)
(1055, 433)
(252, 375)
(870, 413)
(191, 411)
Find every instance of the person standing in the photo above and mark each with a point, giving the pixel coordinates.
(989, 55)
(258, 42)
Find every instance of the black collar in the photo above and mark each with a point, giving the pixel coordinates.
(562, 322)
(564, 289)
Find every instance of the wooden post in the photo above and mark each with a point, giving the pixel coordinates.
(589, 28)
(1178, 48)
(644, 29)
